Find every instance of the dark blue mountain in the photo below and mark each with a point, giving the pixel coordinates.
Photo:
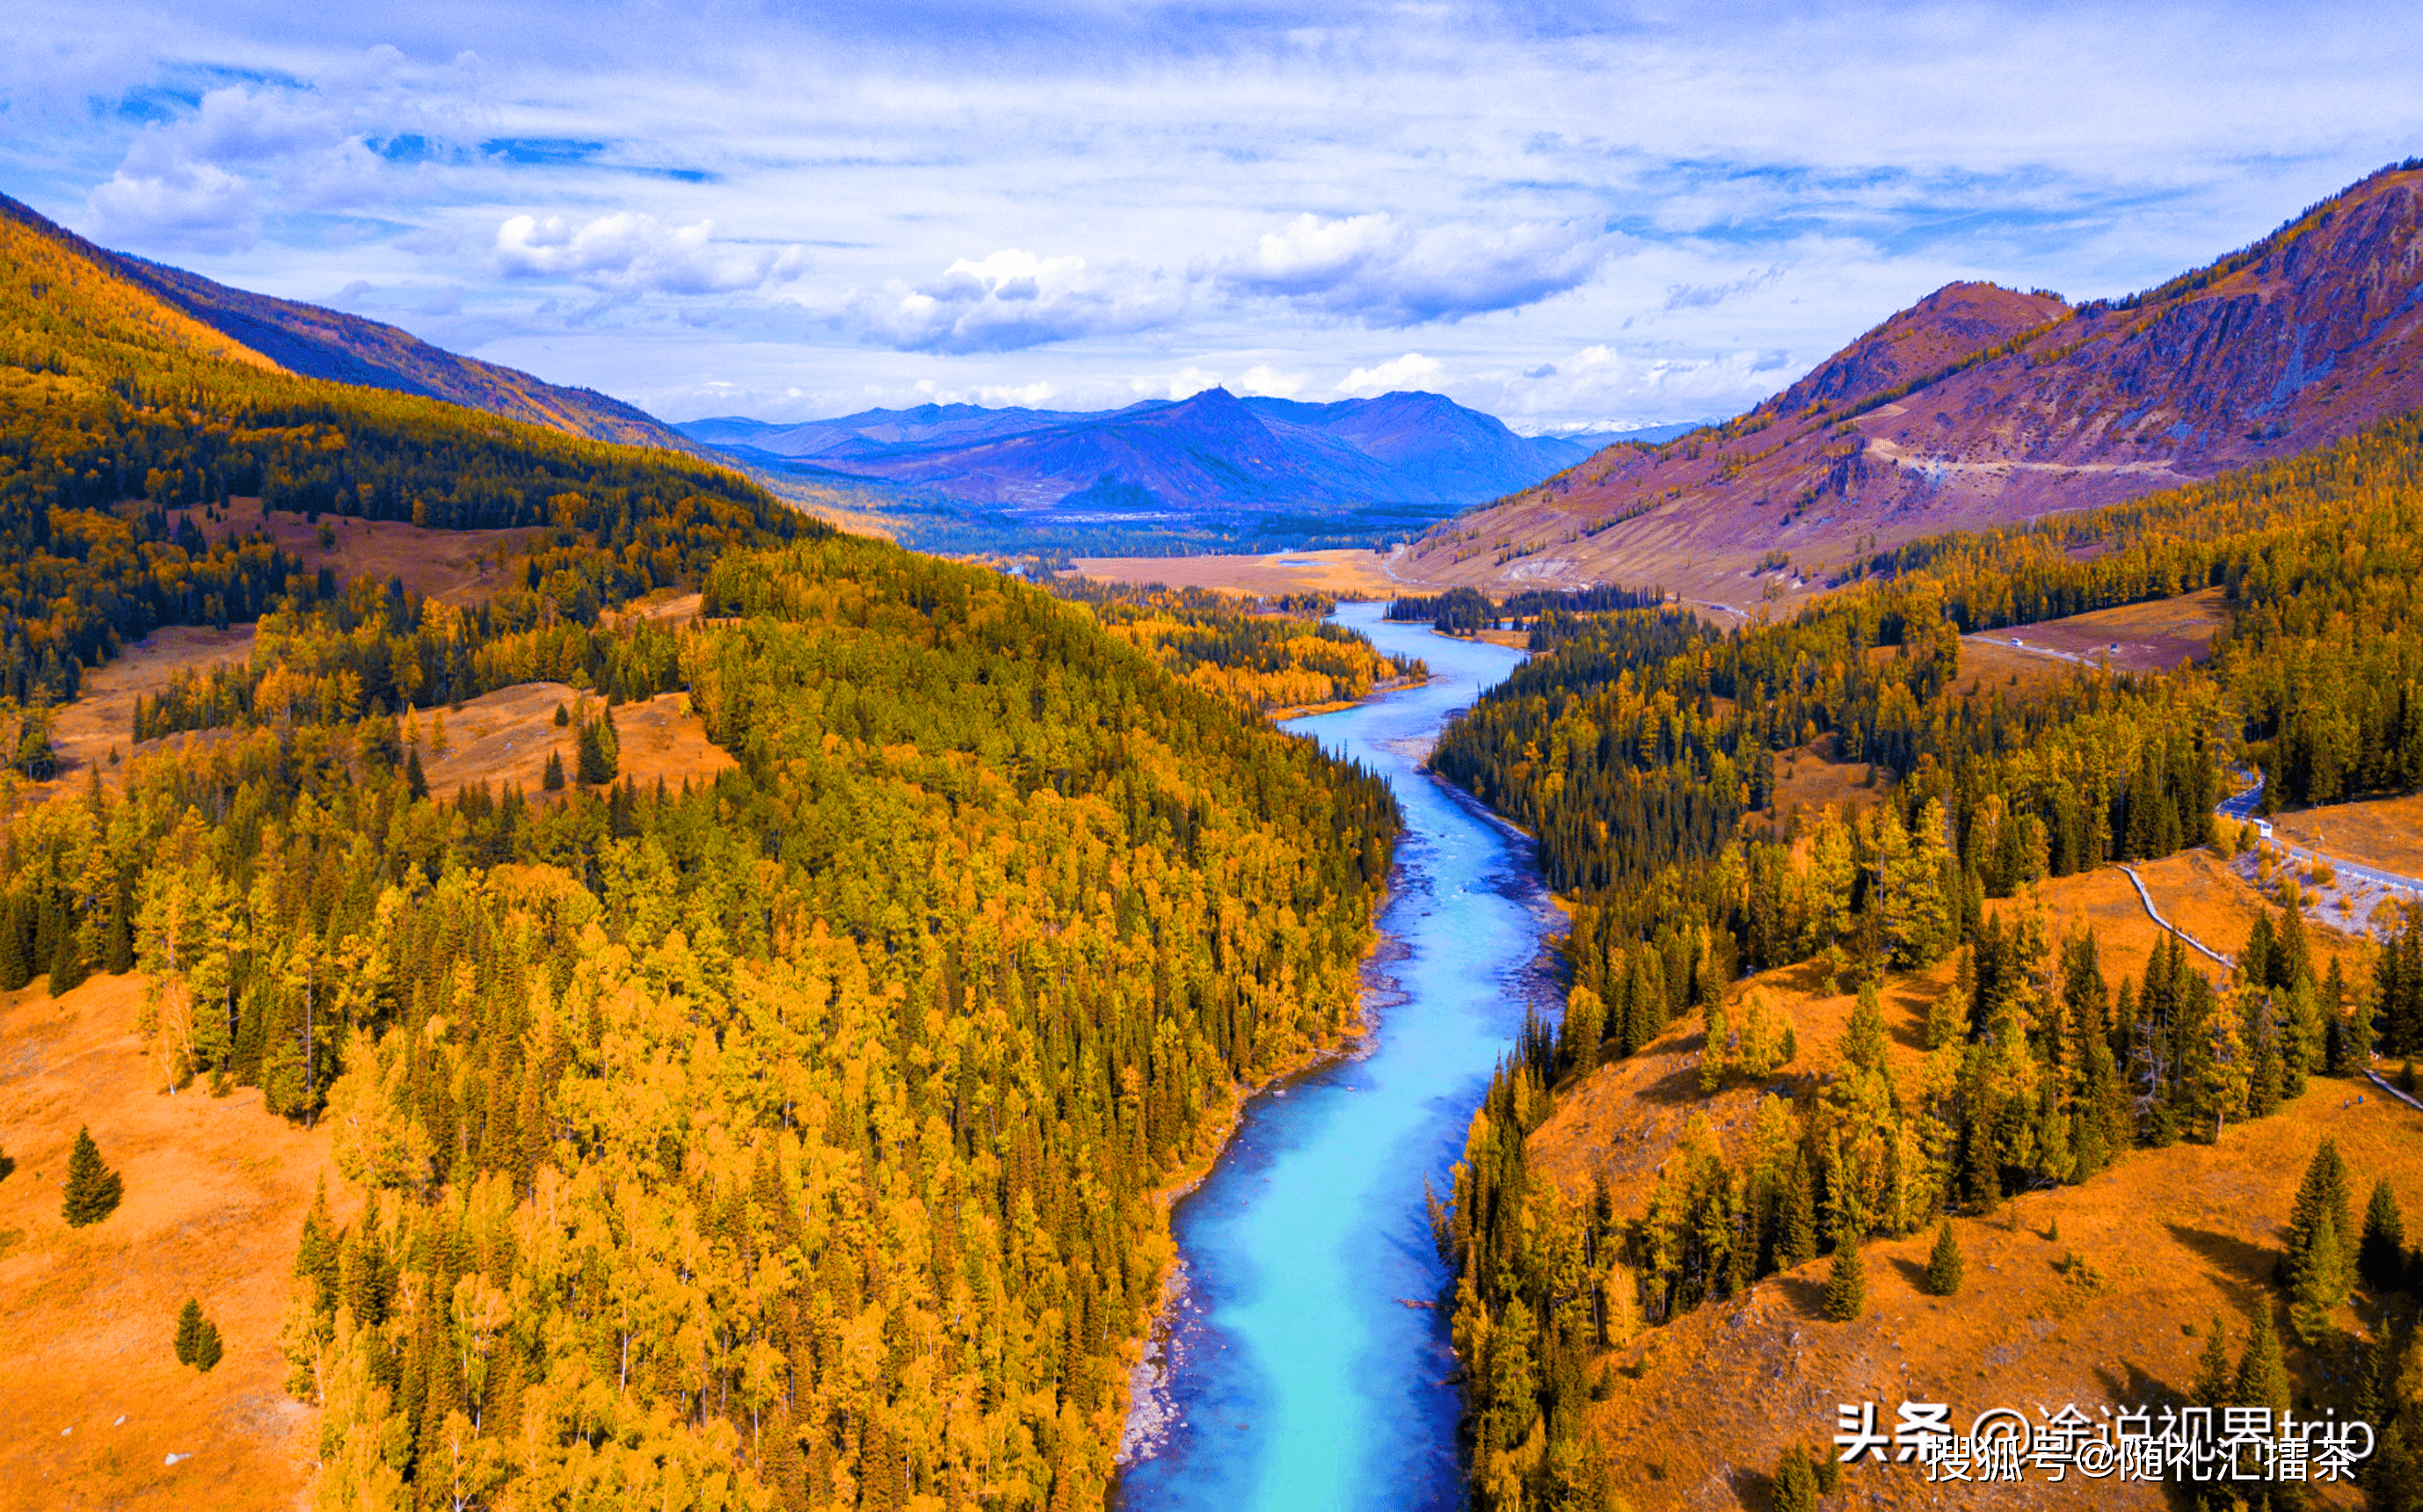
(1210, 452)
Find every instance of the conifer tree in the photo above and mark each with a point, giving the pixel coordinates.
(93, 1191)
(1944, 1264)
(1947, 1016)
(189, 1330)
(67, 965)
(2324, 1191)
(2213, 1381)
(1846, 1286)
(208, 1347)
(1796, 1484)
(2321, 1284)
(2262, 1378)
(1863, 1038)
(551, 779)
(16, 945)
(1797, 1244)
(416, 780)
(2380, 1257)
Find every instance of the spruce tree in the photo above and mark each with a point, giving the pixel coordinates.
(415, 780)
(1863, 1038)
(2324, 1191)
(1846, 1286)
(2262, 1371)
(189, 1330)
(1796, 1484)
(93, 1190)
(16, 945)
(2380, 1257)
(2321, 1284)
(1944, 1265)
(67, 963)
(563, 716)
(2213, 1367)
(208, 1347)
(551, 779)
(1797, 1244)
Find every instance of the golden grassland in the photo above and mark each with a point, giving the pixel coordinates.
(2386, 833)
(1698, 1413)
(505, 736)
(453, 566)
(95, 1401)
(1343, 571)
(2152, 636)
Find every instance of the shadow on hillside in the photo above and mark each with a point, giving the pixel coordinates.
(2129, 1386)
(1680, 1086)
(1913, 1271)
(1750, 1487)
(2243, 1265)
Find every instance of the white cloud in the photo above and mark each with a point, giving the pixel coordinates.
(1410, 372)
(1261, 378)
(1377, 269)
(628, 252)
(162, 200)
(1010, 300)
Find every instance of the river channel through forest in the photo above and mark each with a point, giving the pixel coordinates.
(1301, 1365)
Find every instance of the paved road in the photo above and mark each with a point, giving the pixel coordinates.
(2241, 807)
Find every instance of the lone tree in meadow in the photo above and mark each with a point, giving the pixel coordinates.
(1944, 1264)
(189, 1330)
(93, 1190)
(1846, 1285)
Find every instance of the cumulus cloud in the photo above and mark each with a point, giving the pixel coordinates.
(628, 252)
(1381, 271)
(1012, 300)
(1412, 371)
(161, 199)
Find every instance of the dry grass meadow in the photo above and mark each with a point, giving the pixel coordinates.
(95, 1401)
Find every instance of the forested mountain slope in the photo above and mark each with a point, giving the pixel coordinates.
(117, 407)
(1638, 743)
(1979, 406)
(316, 343)
(789, 1139)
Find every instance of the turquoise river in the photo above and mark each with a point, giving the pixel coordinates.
(1301, 1364)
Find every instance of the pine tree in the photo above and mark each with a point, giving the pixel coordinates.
(208, 1348)
(2322, 1285)
(1797, 1244)
(189, 1332)
(551, 779)
(1944, 1265)
(2213, 1381)
(1846, 1286)
(2323, 1192)
(93, 1191)
(66, 964)
(563, 716)
(1796, 1485)
(416, 780)
(1863, 1038)
(16, 945)
(2262, 1371)
(2380, 1257)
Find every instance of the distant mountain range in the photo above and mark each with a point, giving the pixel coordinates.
(1981, 405)
(325, 343)
(1213, 454)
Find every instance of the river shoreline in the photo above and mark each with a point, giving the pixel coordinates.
(1290, 1360)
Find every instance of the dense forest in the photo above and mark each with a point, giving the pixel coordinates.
(1640, 748)
(115, 410)
(1269, 656)
(795, 1133)
(787, 1139)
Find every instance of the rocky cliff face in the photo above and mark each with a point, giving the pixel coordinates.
(1981, 406)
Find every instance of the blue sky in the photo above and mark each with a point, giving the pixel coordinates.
(1572, 216)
